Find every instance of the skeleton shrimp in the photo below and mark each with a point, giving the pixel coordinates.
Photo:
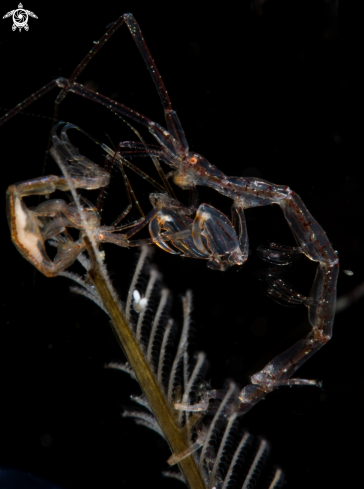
(31, 228)
(191, 169)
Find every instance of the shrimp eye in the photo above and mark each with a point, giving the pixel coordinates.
(193, 160)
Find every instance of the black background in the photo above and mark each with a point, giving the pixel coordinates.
(274, 96)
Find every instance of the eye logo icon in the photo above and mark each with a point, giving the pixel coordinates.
(20, 17)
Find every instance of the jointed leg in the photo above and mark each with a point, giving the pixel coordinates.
(173, 124)
(314, 243)
(25, 231)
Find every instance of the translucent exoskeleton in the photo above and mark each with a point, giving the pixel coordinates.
(31, 228)
(210, 234)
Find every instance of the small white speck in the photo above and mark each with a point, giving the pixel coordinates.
(350, 273)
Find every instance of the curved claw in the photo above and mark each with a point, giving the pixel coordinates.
(222, 243)
(173, 217)
(25, 223)
(155, 232)
(25, 231)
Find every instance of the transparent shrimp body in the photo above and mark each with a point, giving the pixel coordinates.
(210, 235)
(190, 170)
(31, 228)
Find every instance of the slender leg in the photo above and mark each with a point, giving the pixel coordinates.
(155, 160)
(25, 103)
(82, 65)
(173, 123)
(174, 126)
(322, 300)
(167, 140)
(116, 154)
